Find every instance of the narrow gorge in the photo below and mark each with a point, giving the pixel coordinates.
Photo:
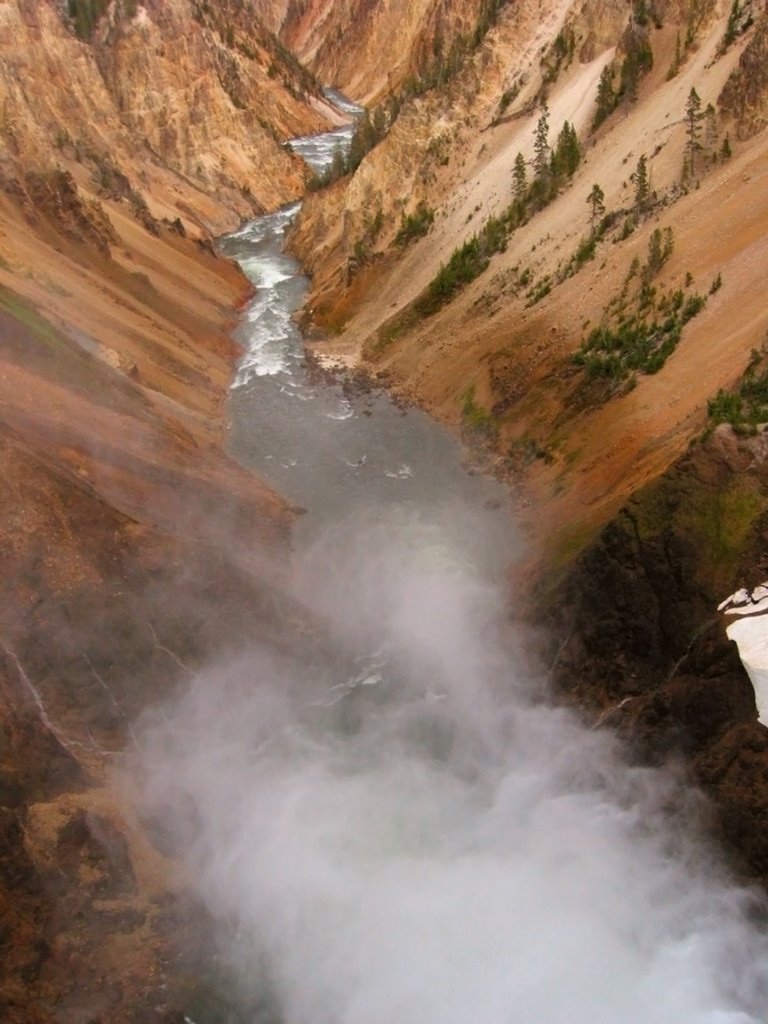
(383, 390)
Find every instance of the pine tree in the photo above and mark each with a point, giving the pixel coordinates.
(732, 26)
(656, 257)
(596, 200)
(520, 178)
(541, 145)
(642, 182)
(725, 149)
(379, 123)
(363, 141)
(567, 152)
(710, 127)
(338, 165)
(677, 60)
(606, 98)
(393, 108)
(693, 118)
(638, 62)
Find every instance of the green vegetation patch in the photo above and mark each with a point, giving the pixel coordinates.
(553, 168)
(715, 516)
(640, 331)
(466, 263)
(475, 418)
(746, 406)
(415, 225)
(723, 520)
(559, 55)
(85, 15)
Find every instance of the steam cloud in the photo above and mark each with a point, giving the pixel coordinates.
(400, 830)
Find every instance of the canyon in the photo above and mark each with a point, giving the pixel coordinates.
(139, 548)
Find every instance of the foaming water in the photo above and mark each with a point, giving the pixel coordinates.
(385, 818)
(268, 334)
(320, 150)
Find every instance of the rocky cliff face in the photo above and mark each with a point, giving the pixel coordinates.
(158, 87)
(131, 547)
(640, 644)
(745, 95)
(349, 44)
(211, 94)
(121, 563)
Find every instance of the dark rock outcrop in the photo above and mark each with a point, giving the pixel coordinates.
(643, 649)
(745, 94)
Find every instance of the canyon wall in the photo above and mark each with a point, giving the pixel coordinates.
(638, 645)
(350, 44)
(499, 357)
(372, 49)
(131, 547)
(206, 94)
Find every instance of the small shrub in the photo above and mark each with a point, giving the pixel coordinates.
(475, 418)
(415, 225)
(84, 15)
(746, 406)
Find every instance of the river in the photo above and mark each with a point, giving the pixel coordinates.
(325, 448)
(410, 831)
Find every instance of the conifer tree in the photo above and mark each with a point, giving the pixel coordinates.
(519, 178)
(732, 26)
(642, 182)
(567, 152)
(541, 145)
(710, 127)
(677, 60)
(606, 98)
(596, 200)
(379, 123)
(638, 62)
(363, 142)
(338, 165)
(693, 118)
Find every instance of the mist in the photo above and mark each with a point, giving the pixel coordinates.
(389, 822)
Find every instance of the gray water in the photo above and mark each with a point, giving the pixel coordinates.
(326, 448)
(403, 829)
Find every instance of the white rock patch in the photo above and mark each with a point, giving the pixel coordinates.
(750, 631)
